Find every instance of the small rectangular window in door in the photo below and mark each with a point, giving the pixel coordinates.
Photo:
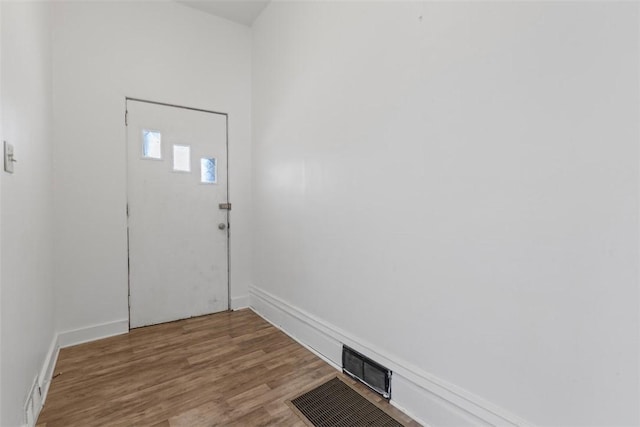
(151, 144)
(208, 171)
(182, 158)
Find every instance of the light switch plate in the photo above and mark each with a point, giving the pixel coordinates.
(8, 157)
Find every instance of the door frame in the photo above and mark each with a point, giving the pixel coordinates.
(126, 124)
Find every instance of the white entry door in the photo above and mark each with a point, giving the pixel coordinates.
(178, 233)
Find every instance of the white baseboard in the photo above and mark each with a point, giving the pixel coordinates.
(239, 302)
(46, 373)
(92, 333)
(38, 394)
(426, 398)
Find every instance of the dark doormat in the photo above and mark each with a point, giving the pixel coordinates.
(336, 404)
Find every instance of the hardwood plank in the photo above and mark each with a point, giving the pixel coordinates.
(230, 368)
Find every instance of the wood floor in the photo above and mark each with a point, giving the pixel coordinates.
(226, 369)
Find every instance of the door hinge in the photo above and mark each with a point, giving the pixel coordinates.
(126, 118)
(127, 210)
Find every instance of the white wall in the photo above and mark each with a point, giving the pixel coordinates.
(1, 120)
(161, 51)
(457, 185)
(27, 311)
(1, 134)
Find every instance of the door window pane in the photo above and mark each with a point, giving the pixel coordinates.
(182, 158)
(208, 170)
(151, 145)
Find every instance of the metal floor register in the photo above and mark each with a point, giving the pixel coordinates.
(335, 404)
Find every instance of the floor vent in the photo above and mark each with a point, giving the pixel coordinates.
(336, 404)
(368, 372)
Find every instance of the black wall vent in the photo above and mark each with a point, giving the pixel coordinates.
(368, 372)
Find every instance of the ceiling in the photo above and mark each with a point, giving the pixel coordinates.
(240, 11)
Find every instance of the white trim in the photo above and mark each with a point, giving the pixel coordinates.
(416, 392)
(314, 351)
(61, 340)
(92, 333)
(46, 373)
(38, 392)
(239, 302)
(30, 409)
